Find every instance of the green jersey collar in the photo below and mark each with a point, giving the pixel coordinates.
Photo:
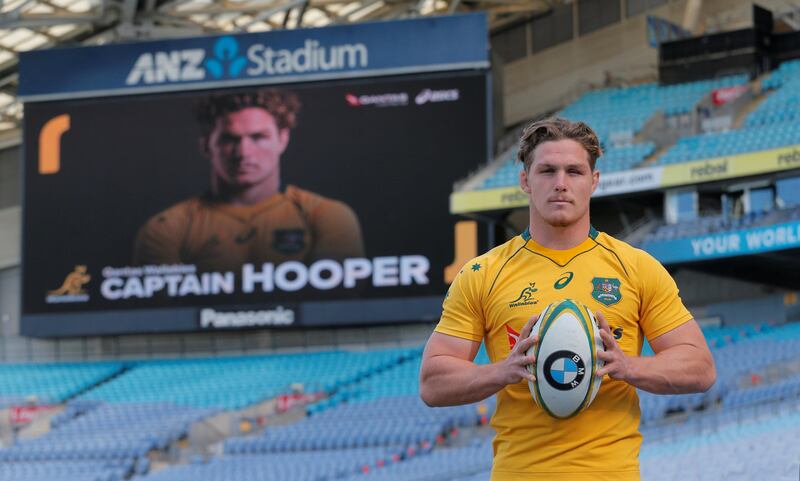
(526, 234)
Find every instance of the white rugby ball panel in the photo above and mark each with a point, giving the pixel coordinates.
(564, 352)
(566, 359)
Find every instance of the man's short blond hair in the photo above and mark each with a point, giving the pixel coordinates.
(557, 129)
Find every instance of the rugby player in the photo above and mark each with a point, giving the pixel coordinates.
(247, 216)
(496, 299)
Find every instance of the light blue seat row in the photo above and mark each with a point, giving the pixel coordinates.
(741, 354)
(66, 470)
(109, 432)
(298, 466)
(233, 383)
(773, 124)
(440, 464)
(50, 383)
(627, 109)
(780, 106)
(623, 110)
(787, 71)
(747, 443)
(732, 142)
(614, 159)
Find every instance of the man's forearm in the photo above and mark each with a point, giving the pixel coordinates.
(449, 381)
(680, 369)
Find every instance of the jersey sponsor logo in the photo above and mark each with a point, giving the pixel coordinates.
(617, 331)
(564, 370)
(525, 297)
(288, 241)
(513, 336)
(606, 290)
(564, 280)
(71, 290)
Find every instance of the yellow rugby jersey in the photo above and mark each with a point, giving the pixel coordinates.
(493, 297)
(216, 236)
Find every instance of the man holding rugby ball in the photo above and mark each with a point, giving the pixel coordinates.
(497, 297)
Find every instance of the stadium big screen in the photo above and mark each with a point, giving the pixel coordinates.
(135, 155)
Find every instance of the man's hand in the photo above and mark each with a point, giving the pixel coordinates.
(617, 364)
(514, 368)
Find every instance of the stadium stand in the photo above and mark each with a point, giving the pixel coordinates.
(142, 406)
(65, 470)
(234, 382)
(719, 223)
(742, 354)
(109, 432)
(50, 383)
(785, 72)
(299, 465)
(614, 159)
(629, 108)
(749, 139)
(779, 108)
(754, 442)
(378, 422)
(450, 463)
(398, 421)
(730, 421)
(626, 110)
(374, 427)
(771, 125)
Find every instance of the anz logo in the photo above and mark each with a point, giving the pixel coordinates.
(188, 64)
(173, 66)
(227, 60)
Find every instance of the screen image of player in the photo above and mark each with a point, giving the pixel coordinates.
(316, 191)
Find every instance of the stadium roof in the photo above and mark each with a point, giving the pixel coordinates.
(38, 24)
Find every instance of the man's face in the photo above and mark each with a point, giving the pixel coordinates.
(245, 147)
(559, 182)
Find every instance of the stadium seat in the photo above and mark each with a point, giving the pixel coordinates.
(624, 110)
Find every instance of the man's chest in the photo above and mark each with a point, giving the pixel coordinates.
(275, 236)
(524, 291)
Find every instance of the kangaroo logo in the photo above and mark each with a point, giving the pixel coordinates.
(226, 52)
(73, 284)
(525, 297)
(71, 290)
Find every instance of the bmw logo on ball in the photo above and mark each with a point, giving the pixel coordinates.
(564, 370)
(566, 367)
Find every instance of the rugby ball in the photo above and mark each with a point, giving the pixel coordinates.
(566, 359)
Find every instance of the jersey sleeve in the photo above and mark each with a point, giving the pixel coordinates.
(334, 225)
(159, 239)
(661, 309)
(337, 231)
(462, 309)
